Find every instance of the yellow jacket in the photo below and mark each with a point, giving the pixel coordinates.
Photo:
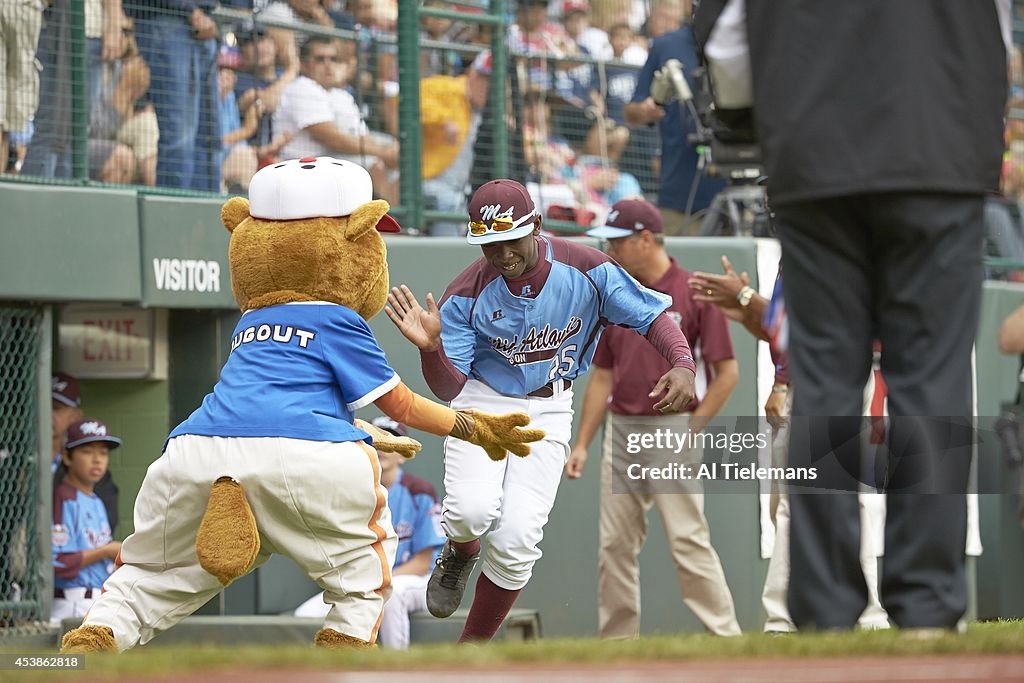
(443, 101)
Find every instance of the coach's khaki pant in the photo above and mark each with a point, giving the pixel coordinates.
(680, 223)
(623, 529)
(319, 503)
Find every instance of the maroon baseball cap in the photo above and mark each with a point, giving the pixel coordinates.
(388, 425)
(65, 390)
(628, 217)
(88, 431)
(503, 204)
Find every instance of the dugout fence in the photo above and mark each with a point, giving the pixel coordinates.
(26, 572)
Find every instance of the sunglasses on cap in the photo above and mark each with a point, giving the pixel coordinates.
(500, 224)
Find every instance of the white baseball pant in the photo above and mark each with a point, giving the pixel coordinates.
(508, 500)
(408, 595)
(319, 503)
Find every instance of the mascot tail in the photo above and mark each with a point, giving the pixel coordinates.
(228, 540)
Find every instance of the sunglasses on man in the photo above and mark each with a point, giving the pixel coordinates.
(500, 224)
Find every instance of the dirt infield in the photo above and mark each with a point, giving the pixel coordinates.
(959, 669)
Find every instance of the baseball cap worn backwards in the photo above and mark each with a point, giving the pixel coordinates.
(88, 431)
(499, 211)
(628, 217)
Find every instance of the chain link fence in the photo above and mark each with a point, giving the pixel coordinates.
(24, 566)
(536, 90)
(191, 104)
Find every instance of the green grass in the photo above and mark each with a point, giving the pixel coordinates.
(1006, 637)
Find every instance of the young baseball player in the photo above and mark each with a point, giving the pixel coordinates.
(511, 333)
(83, 552)
(416, 517)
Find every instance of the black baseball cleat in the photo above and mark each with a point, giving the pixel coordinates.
(448, 580)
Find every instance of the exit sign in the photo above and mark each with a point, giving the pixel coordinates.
(113, 342)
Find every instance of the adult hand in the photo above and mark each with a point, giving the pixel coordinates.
(203, 27)
(650, 111)
(420, 326)
(113, 39)
(577, 460)
(678, 389)
(720, 290)
(775, 409)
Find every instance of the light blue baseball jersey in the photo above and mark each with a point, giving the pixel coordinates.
(79, 523)
(416, 517)
(296, 370)
(518, 336)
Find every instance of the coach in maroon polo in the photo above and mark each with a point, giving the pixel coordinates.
(624, 371)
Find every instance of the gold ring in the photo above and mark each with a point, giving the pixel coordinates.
(709, 292)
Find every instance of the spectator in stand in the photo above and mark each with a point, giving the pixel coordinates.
(123, 130)
(84, 552)
(683, 190)
(286, 41)
(50, 151)
(239, 161)
(576, 21)
(613, 86)
(534, 34)
(450, 110)
(446, 62)
(20, 21)
(666, 16)
(376, 19)
(177, 39)
(260, 82)
(322, 121)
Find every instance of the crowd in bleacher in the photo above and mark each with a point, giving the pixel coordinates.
(178, 95)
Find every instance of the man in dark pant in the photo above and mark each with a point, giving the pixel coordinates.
(878, 159)
(907, 268)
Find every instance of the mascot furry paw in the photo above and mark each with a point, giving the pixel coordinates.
(273, 460)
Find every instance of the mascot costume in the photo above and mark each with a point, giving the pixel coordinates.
(273, 461)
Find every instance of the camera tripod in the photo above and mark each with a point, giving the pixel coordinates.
(737, 211)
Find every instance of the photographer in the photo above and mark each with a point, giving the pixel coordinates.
(878, 159)
(123, 130)
(682, 189)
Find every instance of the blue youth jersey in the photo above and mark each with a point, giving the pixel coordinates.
(416, 517)
(518, 336)
(296, 370)
(79, 523)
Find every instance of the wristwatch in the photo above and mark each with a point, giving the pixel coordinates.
(745, 295)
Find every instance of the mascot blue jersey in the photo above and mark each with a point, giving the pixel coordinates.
(296, 370)
(516, 336)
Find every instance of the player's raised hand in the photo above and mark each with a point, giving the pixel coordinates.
(678, 389)
(421, 326)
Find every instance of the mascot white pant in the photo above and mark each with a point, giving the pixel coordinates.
(319, 503)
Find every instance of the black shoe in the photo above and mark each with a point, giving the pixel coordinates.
(448, 581)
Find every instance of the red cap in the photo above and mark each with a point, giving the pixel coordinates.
(570, 6)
